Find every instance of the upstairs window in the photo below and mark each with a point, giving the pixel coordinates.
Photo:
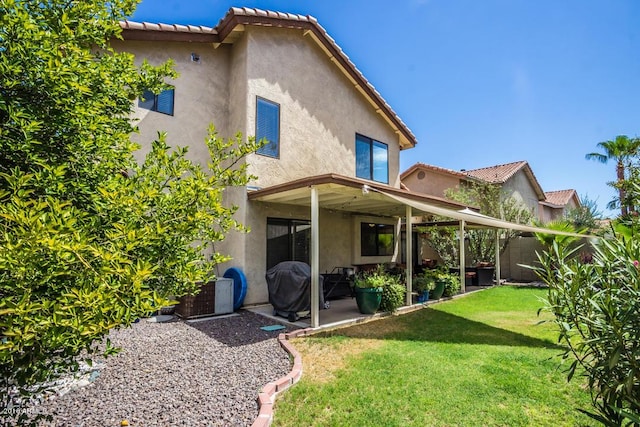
(268, 127)
(372, 159)
(162, 102)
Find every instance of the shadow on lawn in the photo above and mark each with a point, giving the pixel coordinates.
(436, 326)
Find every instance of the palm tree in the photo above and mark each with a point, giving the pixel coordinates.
(621, 150)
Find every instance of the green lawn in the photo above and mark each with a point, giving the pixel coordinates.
(480, 360)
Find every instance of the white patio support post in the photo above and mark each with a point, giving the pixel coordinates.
(497, 256)
(409, 257)
(315, 264)
(462, 257)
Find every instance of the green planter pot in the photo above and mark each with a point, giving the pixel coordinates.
(368, 299)
(438, 291)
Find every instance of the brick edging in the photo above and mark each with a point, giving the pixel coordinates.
(267, 395)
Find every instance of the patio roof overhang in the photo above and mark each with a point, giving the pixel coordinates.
(341, 193)
(338, 192)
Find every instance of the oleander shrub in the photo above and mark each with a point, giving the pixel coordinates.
(597, 309)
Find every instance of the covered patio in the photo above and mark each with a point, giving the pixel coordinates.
(356, 196)
(344, 312)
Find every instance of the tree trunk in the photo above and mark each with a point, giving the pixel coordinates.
(621, 192)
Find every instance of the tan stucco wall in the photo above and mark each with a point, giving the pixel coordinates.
(320, 110)
(432, 183)
(520, 251)
(519, 187)
(547, 213)
(201, 95)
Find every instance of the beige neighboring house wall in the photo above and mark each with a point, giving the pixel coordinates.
(429, 179)
(517, 180)
(558, 203)
(520, 187)
(324, 101)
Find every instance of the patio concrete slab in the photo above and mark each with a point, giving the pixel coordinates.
(343, 312)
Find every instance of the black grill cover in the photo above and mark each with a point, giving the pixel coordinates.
(289, 286)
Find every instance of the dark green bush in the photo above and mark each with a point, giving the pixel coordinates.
(392, 295)
(451, 284)
(597, 309)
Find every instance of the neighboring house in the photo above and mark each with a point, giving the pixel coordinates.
(516, 180)
(558, 203)
(433, 180)
(334, 143)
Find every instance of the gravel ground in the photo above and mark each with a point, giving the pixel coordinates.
(205, 373)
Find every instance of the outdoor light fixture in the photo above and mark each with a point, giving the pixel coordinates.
(365, 189)
(195, 57)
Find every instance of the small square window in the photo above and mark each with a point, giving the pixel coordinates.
(162, 102)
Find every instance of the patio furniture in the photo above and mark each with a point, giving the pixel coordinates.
(339, 283)
(470, 275)
(485, 276)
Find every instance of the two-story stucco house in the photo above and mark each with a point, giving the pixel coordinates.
(516, 179)
(334, 143)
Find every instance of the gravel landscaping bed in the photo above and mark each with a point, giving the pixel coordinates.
(205, 373)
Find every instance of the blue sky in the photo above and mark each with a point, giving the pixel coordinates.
(485, 82)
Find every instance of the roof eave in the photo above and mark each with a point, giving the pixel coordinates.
(237, 18)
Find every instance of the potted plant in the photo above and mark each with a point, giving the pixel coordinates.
(422, 285)
(368, 289)
(436, 279)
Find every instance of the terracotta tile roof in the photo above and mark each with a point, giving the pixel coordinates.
(423, 166)
(499, 174)
(236, 18)
(148, 26)
(560, 197)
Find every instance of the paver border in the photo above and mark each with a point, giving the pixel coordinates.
(267, 396)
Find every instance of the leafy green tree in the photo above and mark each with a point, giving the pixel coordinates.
(443, 240)
(547, 239)
(89, 239)
(621, 150)
(493, 202)
(585, 217)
